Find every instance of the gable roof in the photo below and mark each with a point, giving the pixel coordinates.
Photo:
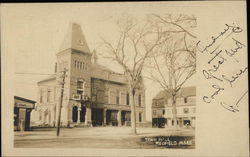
(161, 95)
(183, 92)
(51, 77)
(188, 91)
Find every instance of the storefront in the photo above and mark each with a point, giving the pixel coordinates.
(22, 110)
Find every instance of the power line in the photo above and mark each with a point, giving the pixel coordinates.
(34, 73)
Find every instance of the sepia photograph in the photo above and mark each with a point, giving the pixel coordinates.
(122, 76)
(90, 103)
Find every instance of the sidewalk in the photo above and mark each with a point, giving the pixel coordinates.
(101, 132)
(101, 137)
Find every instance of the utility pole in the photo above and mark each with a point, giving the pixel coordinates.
(60, 103)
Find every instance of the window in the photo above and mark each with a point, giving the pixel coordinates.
(113, 116)
(79, 84)
(80, 65)
(122, 98)
(94, 94)
(139, 97)
(48, 95)
(40, 115)
(112, 97)
(75, 64)
(160, 103)
(54, 93)
(117, 96)
(185, 110)
(154, 112)
(127, 98)
(163, 112)
(83, 66)
(185, 100)
(41, 95)
(140, 117)
(193, 110)
(175, 111)
(100, 96)
(169, 111)
(79, 92)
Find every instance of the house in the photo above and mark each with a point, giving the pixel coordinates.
(162, 109)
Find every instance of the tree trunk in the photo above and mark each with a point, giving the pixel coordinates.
(133, 113)
(174, 111)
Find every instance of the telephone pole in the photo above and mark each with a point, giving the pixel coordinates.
(60, 103)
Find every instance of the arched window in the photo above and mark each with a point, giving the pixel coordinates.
(74, 114)
(82, 114)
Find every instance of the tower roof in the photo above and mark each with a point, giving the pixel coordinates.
(75, 39)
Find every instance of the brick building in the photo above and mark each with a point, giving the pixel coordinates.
(93, 94)
(185, 104)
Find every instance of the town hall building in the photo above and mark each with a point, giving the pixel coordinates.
(93, 94)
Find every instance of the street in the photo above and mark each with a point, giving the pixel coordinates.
(93, 137)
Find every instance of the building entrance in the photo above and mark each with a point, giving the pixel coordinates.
(112, 117)
(126, 118)
(97, 116)
(78, 114)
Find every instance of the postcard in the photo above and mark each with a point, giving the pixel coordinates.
(125, 79)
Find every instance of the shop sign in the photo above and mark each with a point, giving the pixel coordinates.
(24, 105)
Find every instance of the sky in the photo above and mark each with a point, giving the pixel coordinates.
(34, 32)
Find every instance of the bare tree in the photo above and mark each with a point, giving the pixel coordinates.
(174, 61)
(134, 45)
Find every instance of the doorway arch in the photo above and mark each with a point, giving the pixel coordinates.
(74, 114)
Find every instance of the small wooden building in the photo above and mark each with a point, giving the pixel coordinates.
(22, 110)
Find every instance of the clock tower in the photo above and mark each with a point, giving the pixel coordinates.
(75, 56)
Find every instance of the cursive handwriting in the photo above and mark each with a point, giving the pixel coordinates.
(217, 88)
(234, 29)
(235, 107)
(235, 77)
(219, 57)
(232, 52)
